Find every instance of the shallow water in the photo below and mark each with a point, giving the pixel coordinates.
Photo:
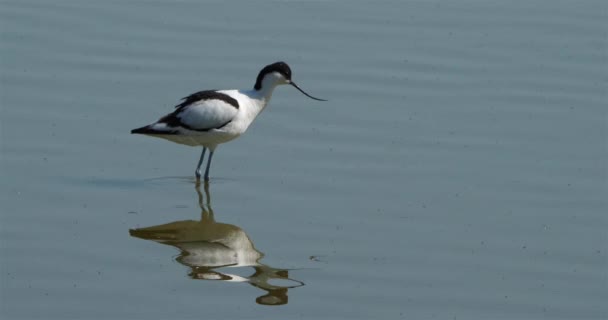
(458, 170)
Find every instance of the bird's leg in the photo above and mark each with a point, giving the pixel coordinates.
(208, 165)
(209, 210)
(197, 172)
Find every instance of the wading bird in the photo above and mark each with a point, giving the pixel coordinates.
(212, 117)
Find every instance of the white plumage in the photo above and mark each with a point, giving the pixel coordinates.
(209, 113)
(212, 117)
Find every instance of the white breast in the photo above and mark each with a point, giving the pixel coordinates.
(251, 103)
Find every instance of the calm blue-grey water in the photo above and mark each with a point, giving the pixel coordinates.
(458, 171)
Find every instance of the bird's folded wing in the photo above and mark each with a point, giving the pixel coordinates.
(205, 115)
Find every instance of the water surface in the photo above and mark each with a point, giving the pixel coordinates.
(458, 170)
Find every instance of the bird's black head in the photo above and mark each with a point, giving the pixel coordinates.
(276, 74)
(280, 67)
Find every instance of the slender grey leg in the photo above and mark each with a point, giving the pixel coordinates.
(197, 172)
(208, 165)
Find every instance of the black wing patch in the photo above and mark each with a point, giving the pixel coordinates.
(207, 95)
(173, 121)
(149, 130)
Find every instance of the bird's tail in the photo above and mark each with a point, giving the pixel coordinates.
(143, 130)
(155, 128)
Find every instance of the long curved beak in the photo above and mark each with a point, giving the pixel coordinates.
(306, 94)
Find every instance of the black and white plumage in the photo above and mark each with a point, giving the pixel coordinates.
(212, 117)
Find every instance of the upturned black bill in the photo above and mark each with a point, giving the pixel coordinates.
(306, 94)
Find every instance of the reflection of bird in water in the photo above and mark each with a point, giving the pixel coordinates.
(207, 245)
